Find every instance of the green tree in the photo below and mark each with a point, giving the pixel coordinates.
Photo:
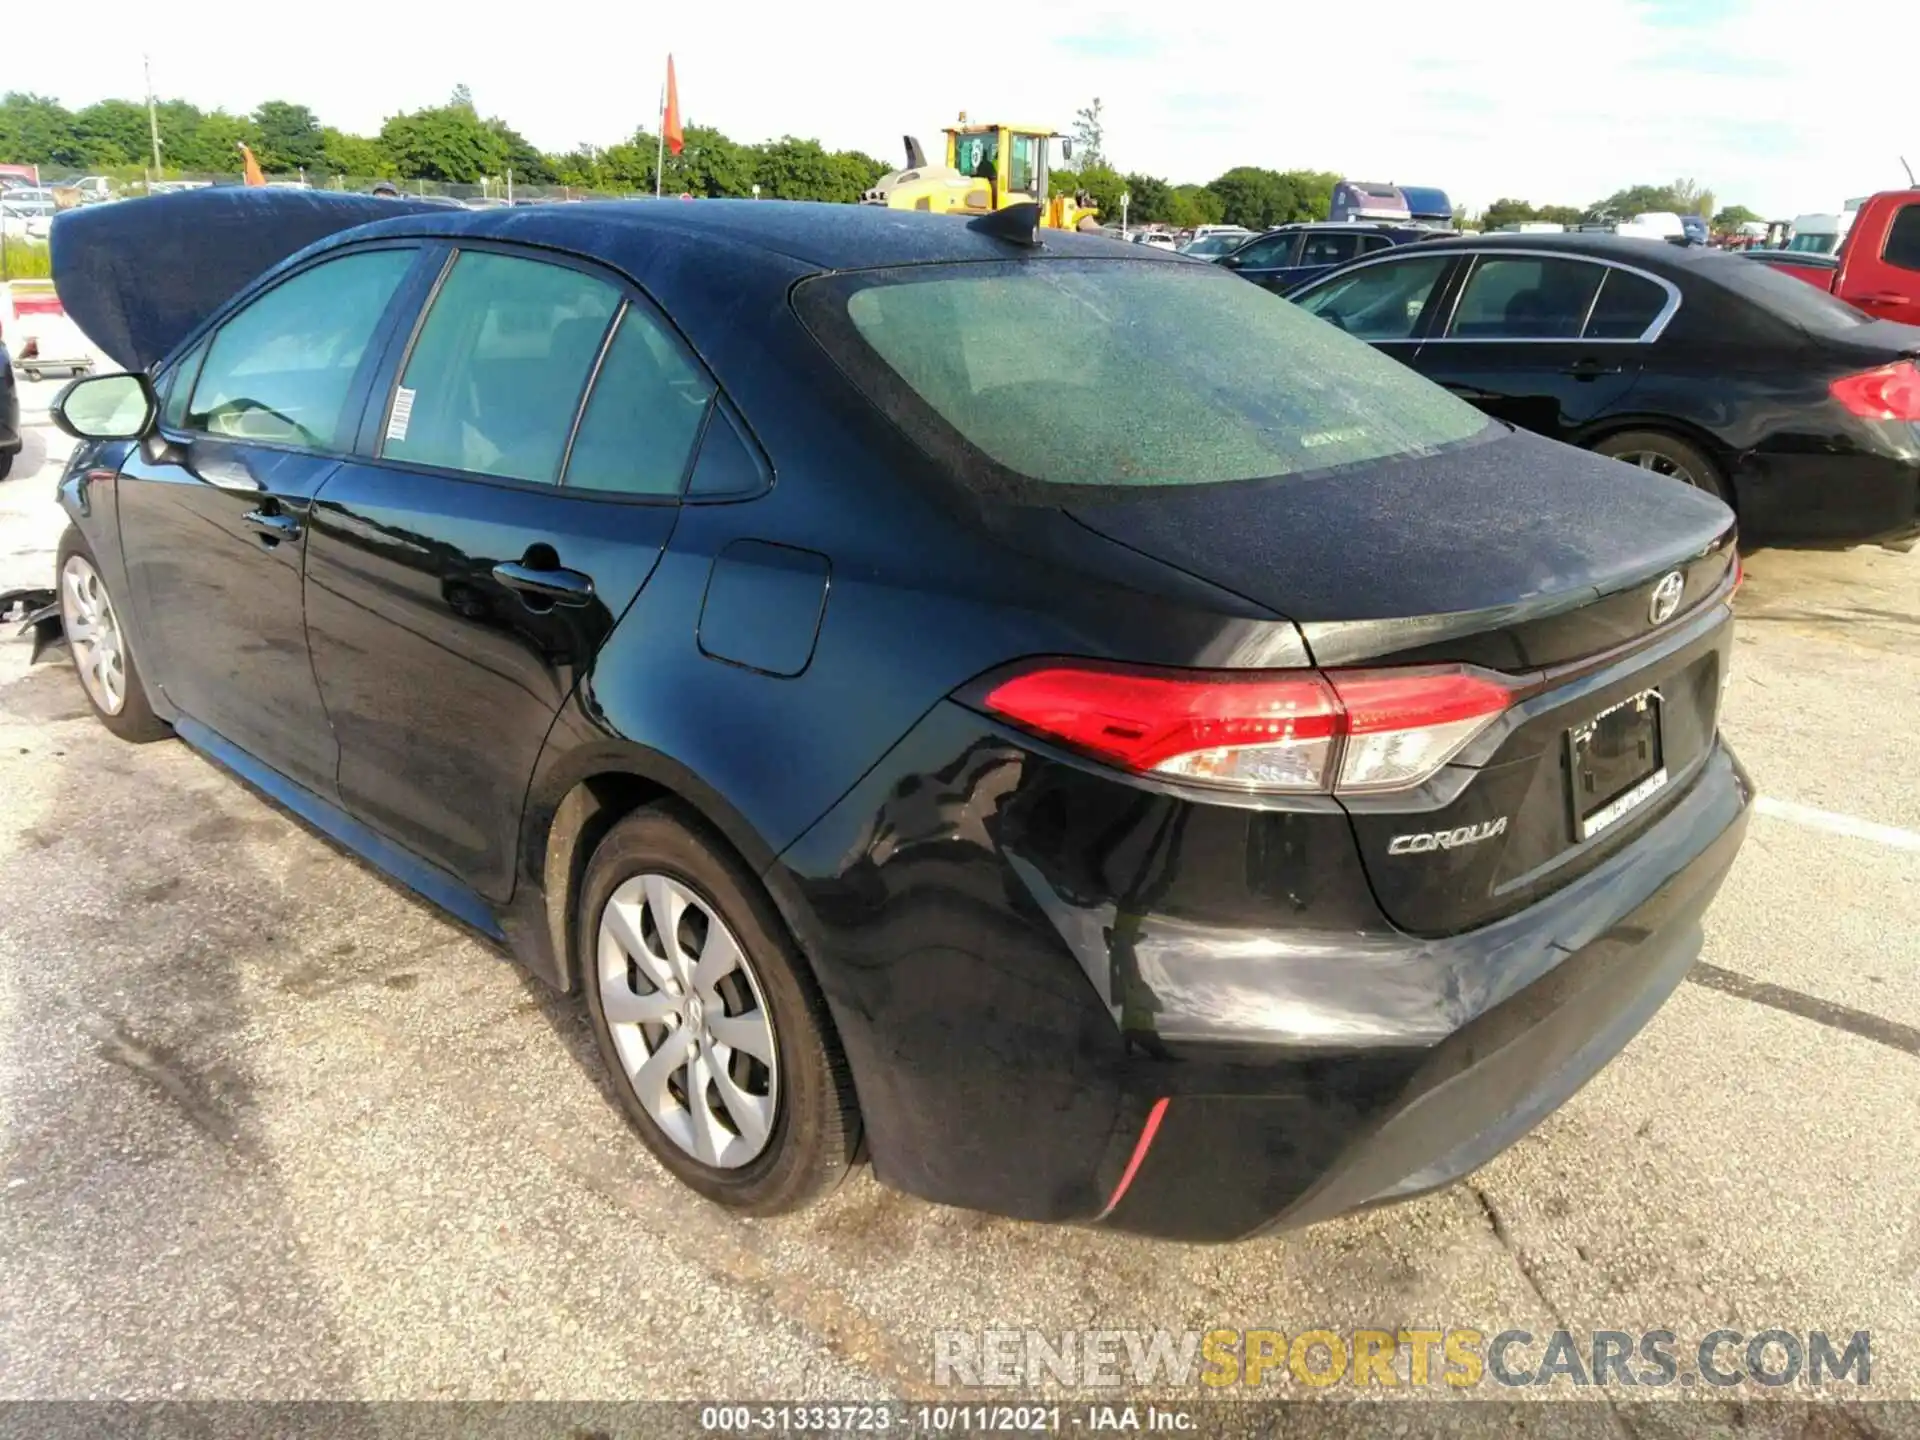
(518, 154)
(1682, 197)
(1312, 193)
(1567, 215)
(215, 143)
(38, 130)
(1089, 136)
(794, 169)
(1152, 199)
(1195, 205)
(1259, 198)
(710, 164)
(115, 132)
(290, 137)
(447, 143)
(1506, 211)
(1732, 218)
(353, 155)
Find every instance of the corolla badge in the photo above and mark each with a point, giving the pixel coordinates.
(1666, 597)
(1447, 839)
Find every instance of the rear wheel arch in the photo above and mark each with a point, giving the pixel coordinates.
(583, 802)
(1715, 450)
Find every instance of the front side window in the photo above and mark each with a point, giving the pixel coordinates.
(280, 371)
(1266, 254)
(1380, 302)
(644, 414)
(496, 375)
(1903, 239)
(1180, 376)
(1525, 297)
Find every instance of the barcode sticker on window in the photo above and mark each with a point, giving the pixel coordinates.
(402, 413)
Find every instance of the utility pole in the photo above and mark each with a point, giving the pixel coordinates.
(660, 159)
(153, 118)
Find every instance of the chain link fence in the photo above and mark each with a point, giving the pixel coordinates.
(72, 187)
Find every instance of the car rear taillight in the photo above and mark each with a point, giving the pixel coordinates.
(1296, 731)
(1890, 393)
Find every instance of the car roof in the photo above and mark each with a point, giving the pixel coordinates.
(820, 236)
(1628, 249)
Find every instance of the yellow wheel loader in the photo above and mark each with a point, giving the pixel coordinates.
(988, 167)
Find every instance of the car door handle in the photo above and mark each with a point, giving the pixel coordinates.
(273, 527)
(1592, 369)
(1884, 297)
(560, 586)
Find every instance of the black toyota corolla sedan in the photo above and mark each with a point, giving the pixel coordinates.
(1050, 717)
(1800, 411)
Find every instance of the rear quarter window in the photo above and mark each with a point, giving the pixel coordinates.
(1121, 373)
(1784, 296)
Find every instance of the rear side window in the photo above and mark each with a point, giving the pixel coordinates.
(280, 370)
(1785, 297)
(498, 369)
(643, 417)
(1120, 373)
(1525, 297)
(1903, 239)
(1627, 307)
(1379, 302)
(1325, 249)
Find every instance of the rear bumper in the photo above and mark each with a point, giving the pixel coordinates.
(1869, 495)
(1010, 948)
(1471, 1095)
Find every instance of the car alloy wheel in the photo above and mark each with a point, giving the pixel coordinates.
(1660, 464)
(689, 1021)
(93, 634)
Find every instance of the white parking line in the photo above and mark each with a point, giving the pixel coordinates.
(1835, 824)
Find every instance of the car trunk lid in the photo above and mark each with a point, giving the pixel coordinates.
(1599, 590)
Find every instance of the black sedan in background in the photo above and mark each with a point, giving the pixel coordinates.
(1290, 255)
(1800, 411)
(1042, 714)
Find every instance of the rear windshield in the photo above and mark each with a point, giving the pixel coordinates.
(1117, 372)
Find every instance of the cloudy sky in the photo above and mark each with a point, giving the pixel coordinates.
(1774, 104)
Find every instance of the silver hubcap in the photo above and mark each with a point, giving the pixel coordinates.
(1660, 464)
(93, 634)
(689, 1021)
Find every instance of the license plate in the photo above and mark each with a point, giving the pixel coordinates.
(1616, 762)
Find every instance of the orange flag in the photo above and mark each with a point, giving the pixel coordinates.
(254, 174)
(670, 116)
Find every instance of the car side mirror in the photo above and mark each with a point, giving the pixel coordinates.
(105, 407)
(1232, 262)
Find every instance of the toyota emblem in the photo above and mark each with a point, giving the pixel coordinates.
(1666, 597)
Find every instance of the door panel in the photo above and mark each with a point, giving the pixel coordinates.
(213, 510)
(441, 677)
(1887, 285)
(217, 598)
(531, 461)
(1513, 344)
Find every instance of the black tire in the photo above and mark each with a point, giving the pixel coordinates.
(134, 721)
(1679, 459)
(6, 462)
(815, 1133)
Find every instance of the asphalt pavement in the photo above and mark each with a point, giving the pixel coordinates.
(272, 1128)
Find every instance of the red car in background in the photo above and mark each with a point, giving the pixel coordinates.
(1877, 267)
